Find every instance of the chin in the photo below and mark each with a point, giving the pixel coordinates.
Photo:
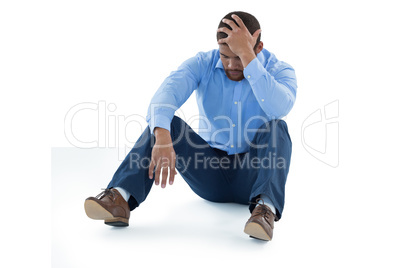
(235, 78)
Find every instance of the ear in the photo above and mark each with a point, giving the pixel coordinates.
(259, 47)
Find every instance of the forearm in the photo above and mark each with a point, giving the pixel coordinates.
(247, 57)
(275, 95)
(276, 101)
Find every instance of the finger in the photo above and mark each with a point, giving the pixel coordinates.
(164, 176)
(222, 41)
(239, 21)
(257, 33)
(231, 23)
(172, 170)
(171, 176)
(151, 169)
(157, 172)
(165, 168)
(224, 30)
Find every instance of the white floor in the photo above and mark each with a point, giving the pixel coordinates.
(176, 227)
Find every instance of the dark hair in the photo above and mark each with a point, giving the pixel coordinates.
(249, 20)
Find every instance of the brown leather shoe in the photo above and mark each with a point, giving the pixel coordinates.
(110, 206)
(261, 223)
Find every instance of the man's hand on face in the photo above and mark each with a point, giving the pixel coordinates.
(239, 39)
(163, 158)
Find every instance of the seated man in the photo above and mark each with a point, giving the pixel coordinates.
(242, 153)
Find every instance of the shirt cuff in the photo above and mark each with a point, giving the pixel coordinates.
(254, 71)
(161, 121)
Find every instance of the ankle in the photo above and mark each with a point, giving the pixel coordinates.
(123, 192)
(267, 202)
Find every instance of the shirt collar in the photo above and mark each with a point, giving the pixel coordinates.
(219, 64)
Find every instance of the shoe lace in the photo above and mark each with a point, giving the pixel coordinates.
(265, 210)
(106, 192)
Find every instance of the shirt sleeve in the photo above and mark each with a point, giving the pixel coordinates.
(173, 93)
(276, 93)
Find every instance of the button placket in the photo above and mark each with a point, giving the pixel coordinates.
(234, 113)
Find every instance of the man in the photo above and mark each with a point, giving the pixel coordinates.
(242, 153)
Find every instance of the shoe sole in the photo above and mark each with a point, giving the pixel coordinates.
(97, 212)
(255, 230)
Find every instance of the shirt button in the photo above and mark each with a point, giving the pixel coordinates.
(262, 99)
(231, 146)
(233, 125)
(248, 76)
(235, 102)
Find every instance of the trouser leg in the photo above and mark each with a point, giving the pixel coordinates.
(192, 156)
(132, 174)
(265, 167)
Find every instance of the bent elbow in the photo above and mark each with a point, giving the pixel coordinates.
(284, 107)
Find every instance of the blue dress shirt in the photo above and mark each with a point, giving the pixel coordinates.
(230, 112)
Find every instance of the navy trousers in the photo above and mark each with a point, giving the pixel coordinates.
(212, 173)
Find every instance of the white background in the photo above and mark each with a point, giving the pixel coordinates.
(57, 54)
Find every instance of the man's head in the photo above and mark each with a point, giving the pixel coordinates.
(231, 62)
(249, 20)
